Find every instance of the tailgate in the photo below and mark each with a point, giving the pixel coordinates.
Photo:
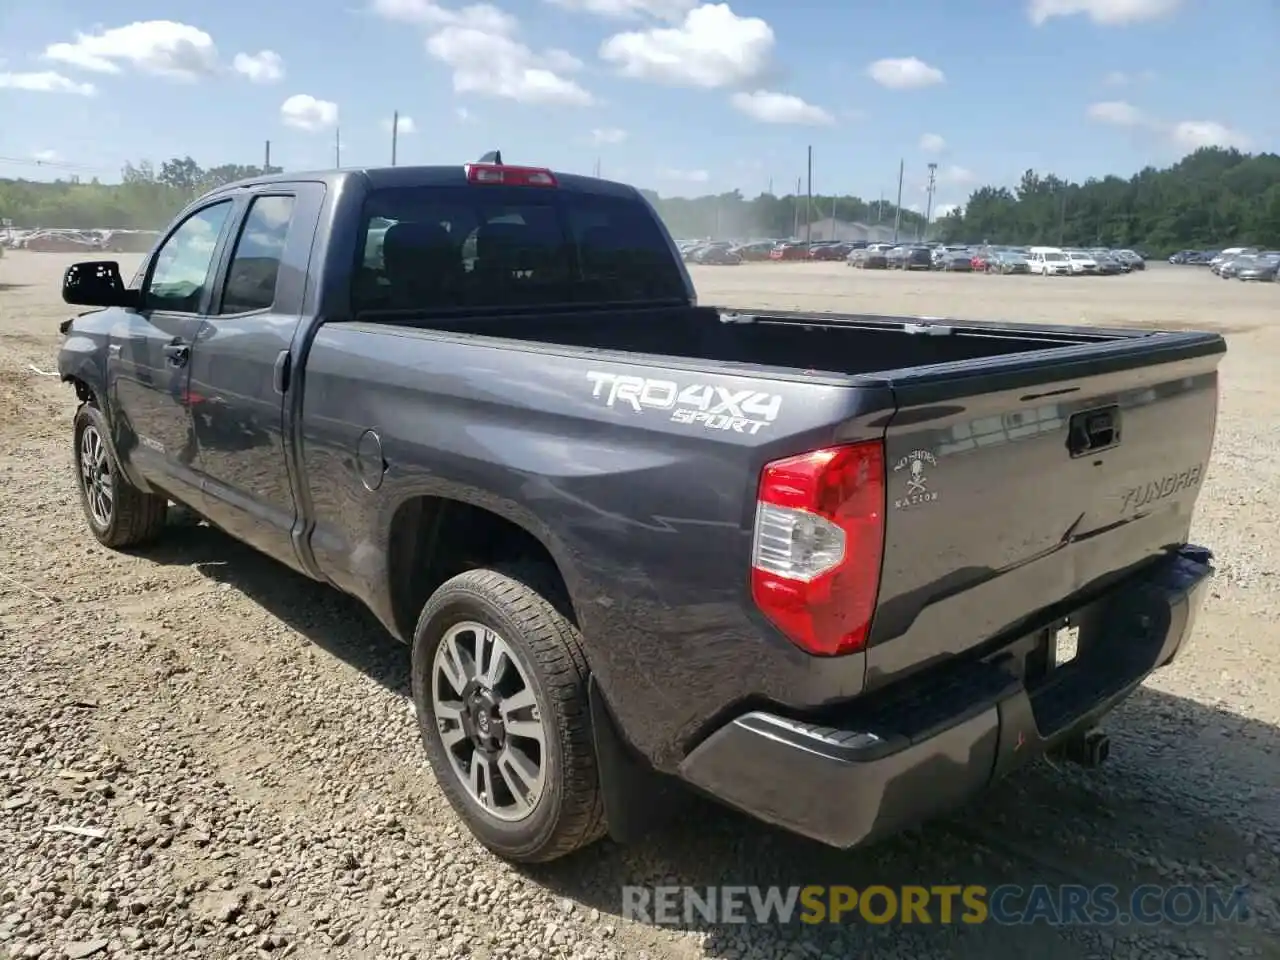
(1018, 485)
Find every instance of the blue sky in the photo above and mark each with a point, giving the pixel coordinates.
(683, 97)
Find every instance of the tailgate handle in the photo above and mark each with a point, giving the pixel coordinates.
(1093, 430)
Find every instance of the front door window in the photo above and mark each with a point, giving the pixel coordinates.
(184, 264)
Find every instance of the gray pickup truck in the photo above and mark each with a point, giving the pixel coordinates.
(840, 572)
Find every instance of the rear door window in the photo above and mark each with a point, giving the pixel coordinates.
(443, 248)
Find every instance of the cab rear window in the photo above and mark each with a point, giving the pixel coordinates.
(434, 249)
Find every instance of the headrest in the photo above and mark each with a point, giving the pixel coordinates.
(499, 239)
(410, 241)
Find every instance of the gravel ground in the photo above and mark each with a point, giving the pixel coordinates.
(203, 754)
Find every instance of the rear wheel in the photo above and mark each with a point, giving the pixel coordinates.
(500, 689)
(119, 514)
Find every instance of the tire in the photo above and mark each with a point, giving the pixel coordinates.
(567, 813)
(119, 514)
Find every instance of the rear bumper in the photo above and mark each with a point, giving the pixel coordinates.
(880, 767)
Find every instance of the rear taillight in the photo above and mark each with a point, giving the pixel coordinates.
(819, 539)
(510, 176)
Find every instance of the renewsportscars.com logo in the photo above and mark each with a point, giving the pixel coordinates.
(1008, 905)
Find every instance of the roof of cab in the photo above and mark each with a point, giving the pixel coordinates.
(377, 178)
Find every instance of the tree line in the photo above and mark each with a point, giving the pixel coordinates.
(146, 198)
(1210, 198)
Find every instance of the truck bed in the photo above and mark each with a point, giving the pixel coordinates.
(828, 343)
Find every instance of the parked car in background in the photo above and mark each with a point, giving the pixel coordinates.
(1229, 269)
(868, 258)
(1081, 263)
(1227, 256)
(1262, 267)
(692, 253)
(1049, 262)
(1109, 264)
(755, 251)
(717, 256)
(1007, 262)
(957, 261)
(830, 251)
(788, 250)
(910, 257)
(982, 258)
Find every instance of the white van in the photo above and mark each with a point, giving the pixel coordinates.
(1049, 261)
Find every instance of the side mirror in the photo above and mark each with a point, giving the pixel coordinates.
(97, 283)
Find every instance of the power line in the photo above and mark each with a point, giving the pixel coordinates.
(54, 164)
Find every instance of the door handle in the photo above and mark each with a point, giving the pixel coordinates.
(1092, 430)
(280, 372)
(177, 353)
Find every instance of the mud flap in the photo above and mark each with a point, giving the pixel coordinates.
(637, 799)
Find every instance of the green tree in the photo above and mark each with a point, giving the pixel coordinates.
(144, 199)
(1210, 198)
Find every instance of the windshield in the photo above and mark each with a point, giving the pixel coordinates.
(448, 248)
(1054, 257)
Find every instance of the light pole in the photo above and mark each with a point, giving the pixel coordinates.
(928, 209)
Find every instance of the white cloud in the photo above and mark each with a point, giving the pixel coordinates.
(683, 176)
(769, 107)
(478, 42)
(1184, 134)
(479, 16)
(265, 66)
(932, 143)
(1117, 113)
(1109, 13)
(403, 124)
(304, 112)
(905, 73)
(712, 47)
(1194, 134)
(956, 176)
(603, 136)
(672, 10)
(945, 210)
(45, 81)
(496, 65)
(44, 156)
(161, 47)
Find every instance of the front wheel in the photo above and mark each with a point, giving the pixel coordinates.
(119, 514)
(500, 690)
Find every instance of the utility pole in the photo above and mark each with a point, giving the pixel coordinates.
(771, 186)
(808, 208)
(897, 211)
(266, 158)
(395, 135)
(880, 207)
(597, 168)
(928, 208)
(1062, 217)
(337, 148)
(795, 217)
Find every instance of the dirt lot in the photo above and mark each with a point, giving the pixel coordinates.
(241, 737)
